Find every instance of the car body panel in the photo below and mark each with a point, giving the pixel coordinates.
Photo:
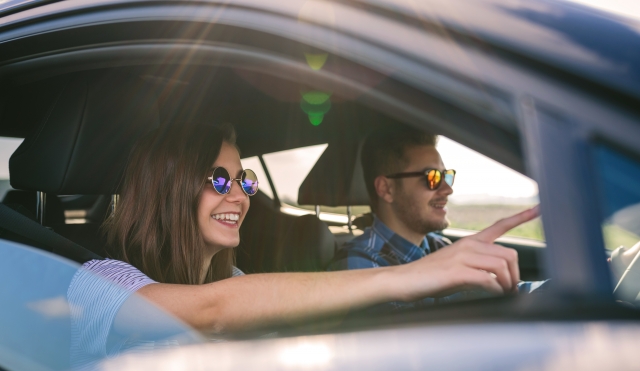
(490, 346)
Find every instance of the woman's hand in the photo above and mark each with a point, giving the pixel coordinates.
(473, 262)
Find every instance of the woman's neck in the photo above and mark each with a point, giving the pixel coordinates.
(206, 263)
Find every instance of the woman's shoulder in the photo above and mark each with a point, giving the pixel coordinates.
(235, 271)
(119, 272)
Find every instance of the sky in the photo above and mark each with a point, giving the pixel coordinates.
(626, 8)
(479, 177)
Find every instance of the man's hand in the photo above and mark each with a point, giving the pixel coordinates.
(473, 262)
(629, 254)
(621, 258)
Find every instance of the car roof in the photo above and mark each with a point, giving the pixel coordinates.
(569, 37)
(554, 40)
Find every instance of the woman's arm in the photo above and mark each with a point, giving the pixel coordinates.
(260, 299)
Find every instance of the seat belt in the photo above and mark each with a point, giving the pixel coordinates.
(34, 234)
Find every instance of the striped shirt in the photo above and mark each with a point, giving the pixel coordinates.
(95, 295)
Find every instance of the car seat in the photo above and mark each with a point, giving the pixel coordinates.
(82, 142)
(25, 203)
(309, 246)
(335, 180)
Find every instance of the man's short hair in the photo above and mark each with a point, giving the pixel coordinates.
(383, 153)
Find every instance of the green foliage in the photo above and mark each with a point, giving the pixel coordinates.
(479, 217)
(615, 236)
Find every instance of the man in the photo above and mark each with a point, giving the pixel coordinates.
(408, 186)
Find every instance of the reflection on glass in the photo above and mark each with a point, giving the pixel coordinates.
(315, 104)
(306, 354)
(254, 164)
(45, 327)
(619, 184)
(316, 60)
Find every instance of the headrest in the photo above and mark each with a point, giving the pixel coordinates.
(25, 203)
(309, 245)
(337, 178)
(81, 145)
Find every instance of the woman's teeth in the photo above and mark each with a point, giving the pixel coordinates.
(229, 218)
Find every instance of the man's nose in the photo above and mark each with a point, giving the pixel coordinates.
(445, 189)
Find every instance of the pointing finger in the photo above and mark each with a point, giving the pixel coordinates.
(504, 225)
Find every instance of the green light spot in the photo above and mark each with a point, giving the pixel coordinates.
(316, 119)
(316, 97)
(316, 61)
(315, 112)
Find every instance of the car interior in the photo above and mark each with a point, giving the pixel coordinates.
(79, 128)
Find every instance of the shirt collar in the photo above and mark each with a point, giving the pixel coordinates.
(397, 242)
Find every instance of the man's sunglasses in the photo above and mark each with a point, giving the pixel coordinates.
(221, 181)
(434, 177)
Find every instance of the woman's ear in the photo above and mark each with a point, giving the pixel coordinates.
(384, 188)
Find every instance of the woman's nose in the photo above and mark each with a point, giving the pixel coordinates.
(236, 194)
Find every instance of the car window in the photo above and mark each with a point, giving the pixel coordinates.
(288, 169)
(7, 147)
(619, 185)
(486, 191)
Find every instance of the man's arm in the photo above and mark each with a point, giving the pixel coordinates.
(251, 301)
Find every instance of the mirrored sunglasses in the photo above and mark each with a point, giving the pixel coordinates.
(433, 177)
(221, 181)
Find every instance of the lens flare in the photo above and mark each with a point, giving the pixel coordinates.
(315, 104)
(316, 97)
(316, 60)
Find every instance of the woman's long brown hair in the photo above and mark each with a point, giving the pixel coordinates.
(155, 226)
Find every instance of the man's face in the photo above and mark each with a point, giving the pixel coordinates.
(418, 207)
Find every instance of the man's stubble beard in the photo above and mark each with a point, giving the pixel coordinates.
(410, 213)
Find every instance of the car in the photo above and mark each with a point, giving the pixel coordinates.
(550, 89)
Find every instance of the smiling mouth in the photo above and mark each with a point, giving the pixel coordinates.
(229, 219)
(440, 205)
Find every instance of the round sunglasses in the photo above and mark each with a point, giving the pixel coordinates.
(221, 181)
(434, 177)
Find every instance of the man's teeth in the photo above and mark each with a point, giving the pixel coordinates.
(227, 217)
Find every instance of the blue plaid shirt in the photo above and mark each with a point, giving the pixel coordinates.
(379, 246)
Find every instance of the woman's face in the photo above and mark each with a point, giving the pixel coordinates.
(220, 216)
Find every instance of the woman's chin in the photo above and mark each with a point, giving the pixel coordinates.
(218, 244)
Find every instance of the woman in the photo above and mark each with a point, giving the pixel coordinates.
(173, 234)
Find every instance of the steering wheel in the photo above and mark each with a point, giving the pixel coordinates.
(628, 287)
